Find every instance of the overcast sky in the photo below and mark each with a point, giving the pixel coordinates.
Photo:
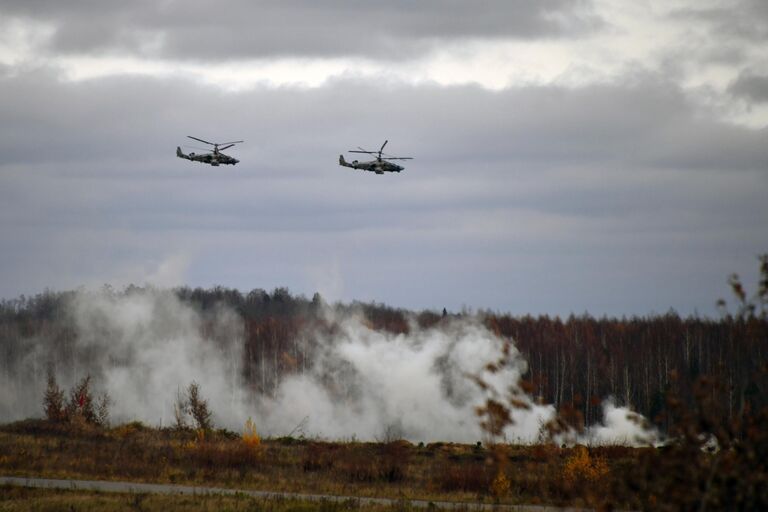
(604, 156)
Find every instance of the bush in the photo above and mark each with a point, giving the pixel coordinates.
(198, 408)
(81, 407)
(580, 469)
(53, 400)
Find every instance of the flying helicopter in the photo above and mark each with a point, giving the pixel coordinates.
(215, 158)
(381, 165)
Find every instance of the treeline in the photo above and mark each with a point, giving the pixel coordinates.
(575, 362)
(642, 361)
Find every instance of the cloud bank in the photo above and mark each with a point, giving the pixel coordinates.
(240, 29)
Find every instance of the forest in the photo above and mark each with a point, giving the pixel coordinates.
(574, 363)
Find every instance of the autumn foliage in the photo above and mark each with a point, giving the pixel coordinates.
(581, 469)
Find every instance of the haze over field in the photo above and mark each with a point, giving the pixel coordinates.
(601, 155)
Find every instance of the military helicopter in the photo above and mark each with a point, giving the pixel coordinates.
(379, 166)
(216, 158)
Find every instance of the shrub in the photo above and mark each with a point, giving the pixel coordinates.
(198, 408)
(53, 400)
(251, 438)
(500, 485)
(82, 407)
(581, 470)
(101, 417)
(180, 408)
(81, 402)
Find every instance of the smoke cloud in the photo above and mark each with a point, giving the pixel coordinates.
(143, 346)
(372, 384)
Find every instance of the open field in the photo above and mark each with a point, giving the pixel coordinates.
(398, 469)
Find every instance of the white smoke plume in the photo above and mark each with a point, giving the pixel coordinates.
(370, 384)
(142, 347)
(623, 427)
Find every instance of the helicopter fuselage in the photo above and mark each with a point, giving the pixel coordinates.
(215, 159)
(376, 166)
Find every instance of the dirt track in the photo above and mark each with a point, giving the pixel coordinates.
(133, 487)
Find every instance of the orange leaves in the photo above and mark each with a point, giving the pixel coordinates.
(581, 469)
(251, 438)
(500, 485)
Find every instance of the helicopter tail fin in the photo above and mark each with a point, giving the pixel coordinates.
(179, 153)
(343, 162)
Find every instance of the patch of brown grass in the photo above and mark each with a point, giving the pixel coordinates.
(439, 471)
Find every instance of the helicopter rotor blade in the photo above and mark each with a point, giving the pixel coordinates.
(201, 140)
(382, 146)
(225, 147)
(398, 158)
(231, 143)
(362, 151)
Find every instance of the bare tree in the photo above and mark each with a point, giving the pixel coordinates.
(180, 410)
(53, 400)
(101, 417)
(198, 408)
(81, 401)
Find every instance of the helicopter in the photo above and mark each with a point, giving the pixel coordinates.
(216, 158)
(379, 166)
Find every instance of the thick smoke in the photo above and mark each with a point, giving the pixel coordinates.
(621, 426)
(149, 345)
(139, 347)
(370, 384)
(142, 347)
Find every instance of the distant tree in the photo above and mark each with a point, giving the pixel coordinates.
(180, 410)
(87, 407)
(101, 417)
(53, 400)
(198, 408)
(755, 306)
(81, 401)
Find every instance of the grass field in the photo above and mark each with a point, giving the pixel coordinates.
(17, 499)
(398, 469)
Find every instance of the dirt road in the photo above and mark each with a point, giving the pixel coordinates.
(141, 488)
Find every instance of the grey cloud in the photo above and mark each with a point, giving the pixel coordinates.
(751, 87)
(529, 199)
(643, 123)
(746, 20)
(242, 29)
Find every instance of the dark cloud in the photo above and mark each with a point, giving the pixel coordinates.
(244, 29)
(746, 20)
(751, 87)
